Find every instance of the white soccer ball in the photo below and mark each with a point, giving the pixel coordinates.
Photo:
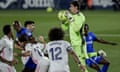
(62, 16)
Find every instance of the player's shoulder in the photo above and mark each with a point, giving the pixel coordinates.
(23, 29)
(58, 41)
(39, 44)
(90, 33)
(5, 38)
(65, 43)
(81, 14)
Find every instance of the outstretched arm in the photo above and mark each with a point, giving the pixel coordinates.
(105, 42)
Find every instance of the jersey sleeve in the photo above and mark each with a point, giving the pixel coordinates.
(68, 46)
(93, 36)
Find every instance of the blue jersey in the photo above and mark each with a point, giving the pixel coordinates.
(25, 32)
(30, 64)
(89, 41)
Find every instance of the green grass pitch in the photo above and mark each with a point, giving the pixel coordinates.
(106, 23)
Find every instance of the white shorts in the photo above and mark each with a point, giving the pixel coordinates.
(6, 68)
(42, 65)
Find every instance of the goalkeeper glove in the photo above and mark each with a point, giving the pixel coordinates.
(69, 16)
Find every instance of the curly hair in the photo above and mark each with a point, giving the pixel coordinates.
(56, 34)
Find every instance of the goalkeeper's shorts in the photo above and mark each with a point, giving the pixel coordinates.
(94, 60)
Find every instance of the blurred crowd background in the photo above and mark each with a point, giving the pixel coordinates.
(59, 4)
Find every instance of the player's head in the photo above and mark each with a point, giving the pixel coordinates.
(7, 30)
(56, 34)
(29, 25)
(86, 29)
(16, 25)
(32, 39)
(74, 7)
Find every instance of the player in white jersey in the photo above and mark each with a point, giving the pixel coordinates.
(58, 50)
(38, 55)
(27, 60)
(7, 60)
(34, 50)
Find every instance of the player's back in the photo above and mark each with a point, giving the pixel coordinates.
(39, 58)
(58, 55)
(37, 51)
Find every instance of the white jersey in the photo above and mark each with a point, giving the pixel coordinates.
(37, 51)
(6, 48)
(58, 55)
(6, 45)
(39, 58)
(27, 48)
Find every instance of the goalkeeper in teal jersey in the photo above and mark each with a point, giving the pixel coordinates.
(73, 23)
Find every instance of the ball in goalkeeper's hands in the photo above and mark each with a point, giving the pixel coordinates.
(62, 16)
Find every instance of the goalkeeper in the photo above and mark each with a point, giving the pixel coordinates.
(74, 23)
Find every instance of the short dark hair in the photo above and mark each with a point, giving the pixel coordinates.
(86, 25)
(6, 29)
(56, 34)
(76, 4)
(28, 23)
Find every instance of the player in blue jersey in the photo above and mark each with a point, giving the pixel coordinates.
(94, 58)
(26, 31)
(29, 26)
(19, 29)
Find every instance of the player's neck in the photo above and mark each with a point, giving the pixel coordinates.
(9, 36)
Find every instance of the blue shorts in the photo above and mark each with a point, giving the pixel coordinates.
(30, 64)
(94, 60)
